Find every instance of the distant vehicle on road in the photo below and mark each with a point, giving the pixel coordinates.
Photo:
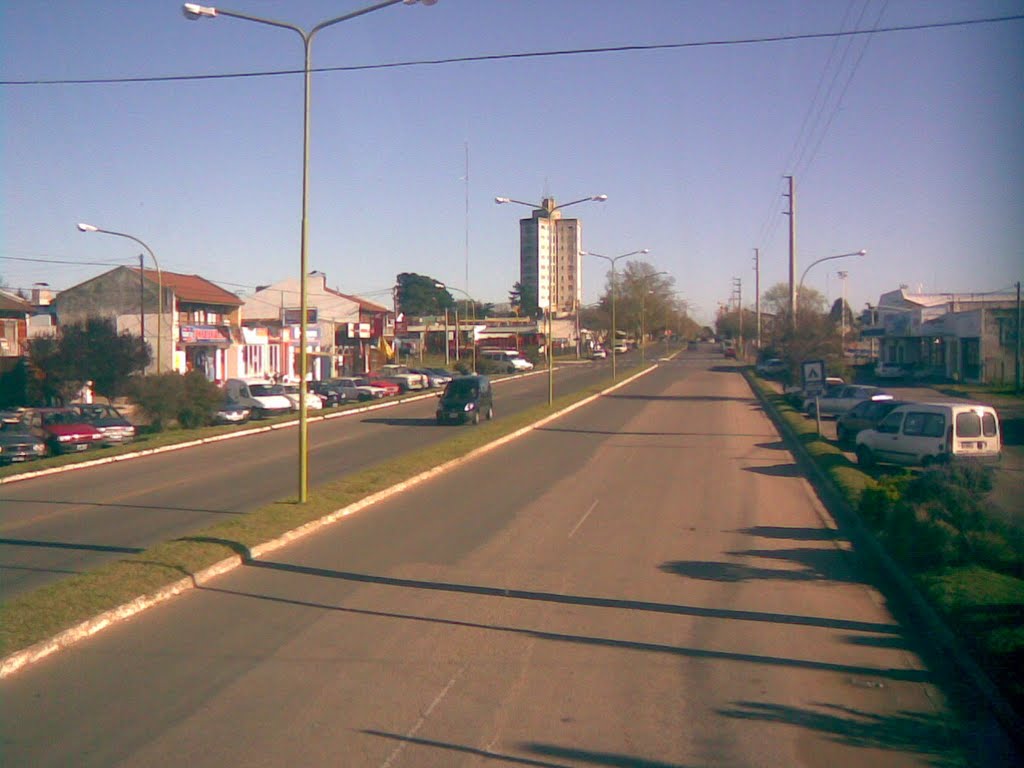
(773, 366)
(599, 353)
(507, 359)
(464, 399)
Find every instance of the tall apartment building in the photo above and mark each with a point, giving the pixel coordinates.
(550, 265)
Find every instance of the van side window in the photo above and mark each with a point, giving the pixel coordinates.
(914, 424)
(988, 425)
(968, 424)
(934, 425)
(891, 423)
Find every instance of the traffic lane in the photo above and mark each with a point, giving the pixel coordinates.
(645, 579)
(62, 524)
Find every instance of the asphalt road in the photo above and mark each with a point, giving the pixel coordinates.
(67, 523)
(645, 582)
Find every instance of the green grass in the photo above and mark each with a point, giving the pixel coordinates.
(44, 612)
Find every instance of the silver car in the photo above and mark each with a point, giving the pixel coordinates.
(838, 400)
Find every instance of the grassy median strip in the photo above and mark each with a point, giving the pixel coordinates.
(43, 613)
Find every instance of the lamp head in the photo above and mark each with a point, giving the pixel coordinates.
(193, 11)
(599, 198)
(501, 200)
(87, 228)
(645, 250)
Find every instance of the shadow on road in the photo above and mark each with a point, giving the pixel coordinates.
(778, 470)
(815, 564)
(395, 422)
(796, 534)
(685, 398)
(914, 732)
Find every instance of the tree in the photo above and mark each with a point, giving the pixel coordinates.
(643, 297)
(94, 351)
(418, 295)
(523, 300)
(776, 300)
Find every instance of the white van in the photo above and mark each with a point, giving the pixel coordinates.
(511, 360)
(265, 399)
(920, 434)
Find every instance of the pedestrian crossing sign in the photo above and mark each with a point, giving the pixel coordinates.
(813, 375)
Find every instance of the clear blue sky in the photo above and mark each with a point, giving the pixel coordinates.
(908, 144)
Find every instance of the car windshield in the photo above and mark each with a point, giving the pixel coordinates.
(462, 389)
(62, 417)
(262, 390)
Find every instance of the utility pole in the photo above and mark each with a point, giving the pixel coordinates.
(142, 301)
(757, 294)
(792, 252)
(842, 315)
(737, 296)
(1017, 362)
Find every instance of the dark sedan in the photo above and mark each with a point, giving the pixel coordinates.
(17, 443)
(865, 415)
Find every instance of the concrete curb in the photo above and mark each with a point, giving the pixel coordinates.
(935, 627)
(38, 651)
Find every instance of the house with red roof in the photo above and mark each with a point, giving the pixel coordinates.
(188, 322)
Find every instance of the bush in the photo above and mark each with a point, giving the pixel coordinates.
(188, 400)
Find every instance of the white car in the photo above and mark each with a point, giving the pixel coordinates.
(313, 401)
(921, 434)
(890, 371)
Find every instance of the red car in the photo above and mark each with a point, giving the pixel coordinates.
(388, 386)
(64, 430)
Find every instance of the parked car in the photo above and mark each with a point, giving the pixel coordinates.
(464, 399)
(621, 348)
(890, 371)
(729, 352)
(403, 377)
(837, 400)
(358, 389)
(434, 379)
(313, 400)
(864, 415)
(63, 429)
(598, 353)
(331, 394)
(389, 387)
(116, 429)
(773, 366)
(17, 443)
(232, 413)
(508, 359)
(265, 399)
(921, 434)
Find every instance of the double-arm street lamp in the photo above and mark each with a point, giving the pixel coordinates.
(823, 258)
(159, 285)
(612, 260)
(195, 11)
(548, 210)
(472, 304)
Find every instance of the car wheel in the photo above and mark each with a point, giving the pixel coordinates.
(490, 413)
(841, 436)
(865, 457)
(475, 418)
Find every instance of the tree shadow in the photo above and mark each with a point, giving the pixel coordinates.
(912, 732)
(815, 565)
(685, 398)
(779, 470)
(794, 534)
(778, 445)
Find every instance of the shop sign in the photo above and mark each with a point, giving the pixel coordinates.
(204, 334)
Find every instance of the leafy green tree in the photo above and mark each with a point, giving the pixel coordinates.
(523, 300)
(419, 295)
(93, 351)
(189, 400)
(775, 300)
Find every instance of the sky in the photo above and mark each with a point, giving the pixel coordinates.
(907, 144)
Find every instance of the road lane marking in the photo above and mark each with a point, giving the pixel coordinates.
(419, 723)
(582, 519)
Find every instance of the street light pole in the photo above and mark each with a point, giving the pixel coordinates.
(861, 252)
(552, 256)
(472, 305)
(194, 11)
(159, 284)
(613, 260)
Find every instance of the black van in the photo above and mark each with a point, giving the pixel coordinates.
(465, 398)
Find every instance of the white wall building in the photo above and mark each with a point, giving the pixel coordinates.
(550, 265)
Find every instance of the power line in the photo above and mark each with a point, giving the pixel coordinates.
(528, 55)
